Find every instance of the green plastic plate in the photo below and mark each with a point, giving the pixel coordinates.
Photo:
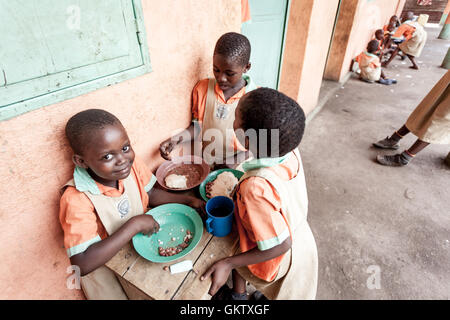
(212, 176)
(174, 220)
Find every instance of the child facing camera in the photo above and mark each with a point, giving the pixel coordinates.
(103, 206)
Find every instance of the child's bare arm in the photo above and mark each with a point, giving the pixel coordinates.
(167, 146)
(101, 252)
(221, 269)
(157, 197)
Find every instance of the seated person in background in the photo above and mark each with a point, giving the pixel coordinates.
(370, 65)
(389, 31)
(379, 36)
(415, 37)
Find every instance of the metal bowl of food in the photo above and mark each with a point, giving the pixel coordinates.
(182, 173)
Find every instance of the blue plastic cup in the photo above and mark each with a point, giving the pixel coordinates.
(220, 216)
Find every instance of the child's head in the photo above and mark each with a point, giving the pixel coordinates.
(101, 144)
(409, 15)
(372, 46)
(231, 59)
(379, 34)
(393, 20)
(277, 120)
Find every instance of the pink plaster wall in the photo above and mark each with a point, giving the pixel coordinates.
(319, 36)
(35, 158)
(308, 37)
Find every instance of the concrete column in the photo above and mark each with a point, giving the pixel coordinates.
(446, 62)
(445, 13)
(445, 32)
(335, 68)
(447, 160)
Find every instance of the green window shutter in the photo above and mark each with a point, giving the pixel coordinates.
(54, 50)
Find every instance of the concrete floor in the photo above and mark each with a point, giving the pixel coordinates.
(381, 232)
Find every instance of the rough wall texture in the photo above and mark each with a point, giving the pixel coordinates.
(310, 27)
(36, 158)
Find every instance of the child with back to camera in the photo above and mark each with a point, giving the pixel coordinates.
(278, 253)
(370, 65)
(103, 206)
(214, 102)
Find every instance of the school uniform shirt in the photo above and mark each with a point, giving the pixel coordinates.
(370, 66)
(258, 216)
(199, 94)
(415, 38)
(406, 30)
(81, 224)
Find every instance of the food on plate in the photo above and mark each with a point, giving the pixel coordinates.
(170, 251)
(223, 185)
(184, 176)
(176, 181)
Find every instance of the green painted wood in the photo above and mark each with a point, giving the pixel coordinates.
(52, 55)
(443, 18)
(446, 62)
(445, 32)
(266, 34)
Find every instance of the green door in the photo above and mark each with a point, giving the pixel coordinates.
(266, 34)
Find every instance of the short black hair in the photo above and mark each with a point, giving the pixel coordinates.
(83, 124)
(266, 108)
(234, 46)
(372, 46)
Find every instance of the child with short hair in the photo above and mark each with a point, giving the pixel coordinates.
(278, 251)
(214, 102)
(370, 65)
(379, 36)
(415, 38)
(103, 206)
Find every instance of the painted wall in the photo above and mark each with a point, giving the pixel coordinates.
(308, 37)
(358, 21)
(36, 159)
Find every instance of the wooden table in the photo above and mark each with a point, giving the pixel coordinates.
(142, 279)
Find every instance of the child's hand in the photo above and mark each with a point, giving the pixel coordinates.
(146, 224)
(166, 147)
(219, 273)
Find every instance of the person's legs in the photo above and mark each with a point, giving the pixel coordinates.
(418, 146)
(392, 141)
(239, 287)
(402, 159)
(414, 66)
(385, 64)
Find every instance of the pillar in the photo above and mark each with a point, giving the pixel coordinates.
(445, 32)
(446, 62)
(445, 13)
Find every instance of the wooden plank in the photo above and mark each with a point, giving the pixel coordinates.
(131, 291)
(123, 260)
(194, 289)
(157, 283)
